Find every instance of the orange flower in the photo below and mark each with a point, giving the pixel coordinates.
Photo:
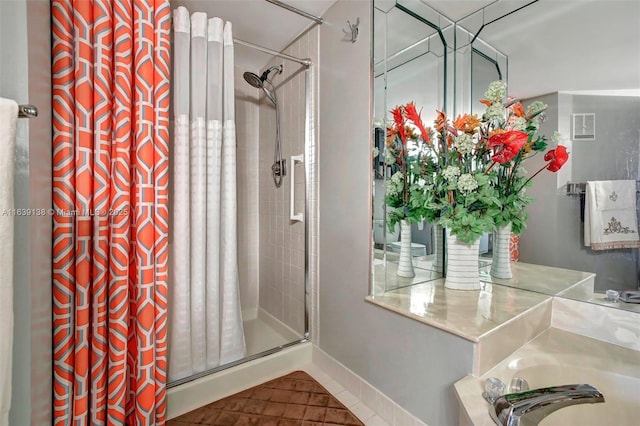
(485, 102)
(497, 132)
(467, 123)
(517, 109)
(440, 121)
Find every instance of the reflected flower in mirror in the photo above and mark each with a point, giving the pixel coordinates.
(467, 173)
(404, 154)
(511, 132)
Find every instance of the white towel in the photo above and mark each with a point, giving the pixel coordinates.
(8, 120)
(610, 218)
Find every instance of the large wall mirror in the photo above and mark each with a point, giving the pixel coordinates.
(411, 64)
(581, 58)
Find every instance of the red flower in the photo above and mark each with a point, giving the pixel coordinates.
(507, 145)
(398, 118)
(414, 116)
(557, 158)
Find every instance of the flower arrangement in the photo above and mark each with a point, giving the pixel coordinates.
(511, 132)
(467, 174)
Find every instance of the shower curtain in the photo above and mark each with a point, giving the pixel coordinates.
(111, 67)
(205, 316)
(8, 125)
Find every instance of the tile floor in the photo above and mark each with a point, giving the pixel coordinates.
(353, 403)
(261, 336)
(292, 400)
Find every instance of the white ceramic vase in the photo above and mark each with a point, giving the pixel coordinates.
(462, 264)
(405, 264)
(438, 244)
(501, 263)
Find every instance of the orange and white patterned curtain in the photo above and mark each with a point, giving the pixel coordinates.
(111, 63)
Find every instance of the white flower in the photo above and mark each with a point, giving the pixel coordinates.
(376, 151)
(388, 156)
(421, 183)
(467, 183)
(451, 172)
(536, 107)
(465, 143)
(495, 112)
(556, 138)
(519, 123)
(496, 91)
(395, 184)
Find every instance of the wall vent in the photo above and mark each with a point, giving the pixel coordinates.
(584, 126)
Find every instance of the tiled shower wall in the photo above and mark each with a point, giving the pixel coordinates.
(282, 242)
(247, 137)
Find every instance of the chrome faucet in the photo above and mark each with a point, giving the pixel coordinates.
(530, 407)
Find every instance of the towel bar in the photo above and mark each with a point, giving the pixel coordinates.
(580, 188)
(27, 111)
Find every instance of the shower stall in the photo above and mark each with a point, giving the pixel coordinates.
(275, 138)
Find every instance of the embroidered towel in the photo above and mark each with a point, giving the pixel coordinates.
(610, 219)
(8, 121)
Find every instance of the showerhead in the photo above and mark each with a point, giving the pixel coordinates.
(253, 79)
(258, 82)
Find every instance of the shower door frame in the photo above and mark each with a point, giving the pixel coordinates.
(309, 135)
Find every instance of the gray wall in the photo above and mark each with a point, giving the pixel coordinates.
(554, 234)
(410, 362)
(25, 76)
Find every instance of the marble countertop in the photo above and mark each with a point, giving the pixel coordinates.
(468, 314)
(542, 279)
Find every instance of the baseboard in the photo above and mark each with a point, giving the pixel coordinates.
(382, 405)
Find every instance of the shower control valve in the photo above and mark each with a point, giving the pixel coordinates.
(279, 168)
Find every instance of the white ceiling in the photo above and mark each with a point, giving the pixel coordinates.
(552, 45)
(563, 45)
(259, 22)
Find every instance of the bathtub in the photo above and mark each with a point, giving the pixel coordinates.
(558, 357)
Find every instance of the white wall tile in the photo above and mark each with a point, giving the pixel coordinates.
(248, 201)
(285, 247)
(385, 408)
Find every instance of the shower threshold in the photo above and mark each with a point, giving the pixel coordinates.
(194, 392)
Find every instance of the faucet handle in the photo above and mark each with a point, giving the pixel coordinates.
(493, 389)
(518, 384)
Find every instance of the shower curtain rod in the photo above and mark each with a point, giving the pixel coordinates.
(306, 61)
(290, 8)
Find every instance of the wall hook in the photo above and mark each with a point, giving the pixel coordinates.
(353, 30)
